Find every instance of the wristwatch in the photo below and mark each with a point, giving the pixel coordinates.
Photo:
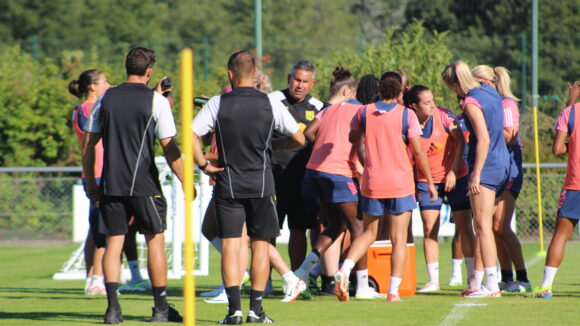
(202, 167)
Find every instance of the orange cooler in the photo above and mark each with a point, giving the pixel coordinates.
(379, 262)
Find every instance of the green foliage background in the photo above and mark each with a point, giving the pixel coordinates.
(45, 44)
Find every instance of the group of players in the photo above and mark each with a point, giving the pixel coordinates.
(359, 163)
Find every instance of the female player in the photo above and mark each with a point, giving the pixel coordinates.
(90, 85)
(568, 214)
(488, 163)
(508, 245)
(387, 188)
(443, 141)
(331, 175)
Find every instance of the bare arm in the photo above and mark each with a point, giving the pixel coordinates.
(423, 164)
(477, 120)
(573, 92)
(457, 134)
(297, 139)
(200, 159)
(89, 142)
(311, 130)
(510, 134)
(172, 156)
(559, 146)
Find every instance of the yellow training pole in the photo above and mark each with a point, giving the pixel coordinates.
(186, 72)
(539, 183)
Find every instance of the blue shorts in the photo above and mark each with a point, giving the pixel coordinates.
(99, 238)
(330, 188)
(568, 204)
(380, 207)
(458, 198)
(495, 180)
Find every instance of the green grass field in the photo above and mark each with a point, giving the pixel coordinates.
(28, 296)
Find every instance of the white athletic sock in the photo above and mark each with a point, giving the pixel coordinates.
(290, 278)
(217, 243)
(456, 267)
(307, 265)
(549, 274)
(362, 280)
(394, 286)
(475, 282)
(347, 266)
(491, 278)
(135, 272)
(98, 278)
(469, 265)
(433, 271)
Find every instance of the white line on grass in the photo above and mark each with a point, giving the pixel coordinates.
(460, 309)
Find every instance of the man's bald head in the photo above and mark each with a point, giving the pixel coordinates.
(243, 65)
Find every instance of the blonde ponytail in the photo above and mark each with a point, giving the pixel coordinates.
(484, 72)
(502, 77)
(458, 73)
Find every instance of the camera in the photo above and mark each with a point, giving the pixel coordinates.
(166, 84)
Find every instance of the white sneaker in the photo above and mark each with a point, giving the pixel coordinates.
(430, 287)
(97, 288)
(484, 292)
(292, 291)
(213, 293)
(220, 298)
(369, 294)
(456, 280)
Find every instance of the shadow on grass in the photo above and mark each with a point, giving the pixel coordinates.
(65, 317)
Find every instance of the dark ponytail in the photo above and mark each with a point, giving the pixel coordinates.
(412, 96)
(341, 77)
(367, 91)
(80, 87)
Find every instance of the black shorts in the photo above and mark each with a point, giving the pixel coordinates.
(259, 214)
(150, 214)
(290, 202)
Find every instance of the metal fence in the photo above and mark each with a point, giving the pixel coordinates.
(36, 203)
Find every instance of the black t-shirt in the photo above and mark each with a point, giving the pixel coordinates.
(244, 121)
(130, 117)
(290, 165)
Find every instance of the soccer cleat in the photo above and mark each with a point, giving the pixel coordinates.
(327, 288)
(430, 287)
(133, 286)
(525, 286)
(455, 280)
(261, 318)
(96, 289)
(220, 298)
(542, 292)
(484, 292)
(145, 284)
(164, 316)
(341, 289)
(511, 287)
(213, 293)
(233, 319)
(393, 298)
(369, 294)
(312, 285)
(293, 291)
(113, 316)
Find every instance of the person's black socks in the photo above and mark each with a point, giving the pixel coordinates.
(256, 301)
(507, 275)
(234, 299)
(160, 297)
(522, 275)
(112, 299)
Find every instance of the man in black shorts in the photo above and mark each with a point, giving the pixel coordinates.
(289, 166)
(129, 118)
(244, 121)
